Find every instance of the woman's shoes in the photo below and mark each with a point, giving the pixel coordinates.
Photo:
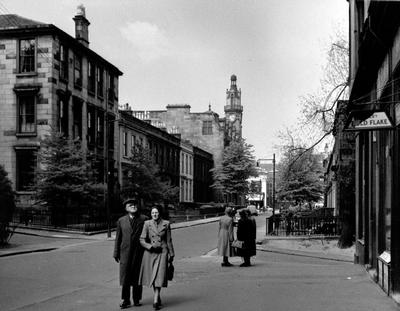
(157, 305)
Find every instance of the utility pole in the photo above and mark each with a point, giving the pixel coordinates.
(273, 185)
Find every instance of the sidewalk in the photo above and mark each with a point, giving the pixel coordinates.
(28, 240)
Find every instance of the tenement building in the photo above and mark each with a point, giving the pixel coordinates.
(205, 130)
(50, 80)
(374, 105)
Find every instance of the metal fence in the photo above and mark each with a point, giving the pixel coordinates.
(69, 221)
(86, 222)
(286, 226)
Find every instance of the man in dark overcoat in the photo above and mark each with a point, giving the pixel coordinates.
(128, 252)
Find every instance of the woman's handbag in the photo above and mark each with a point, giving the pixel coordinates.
(170, 271)
(237, 244)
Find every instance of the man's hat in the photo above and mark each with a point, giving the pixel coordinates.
(131, 200)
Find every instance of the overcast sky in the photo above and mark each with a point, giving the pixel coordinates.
(184, 51)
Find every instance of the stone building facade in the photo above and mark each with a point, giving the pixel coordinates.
(51, 80)
(205, 130)
(375, 116)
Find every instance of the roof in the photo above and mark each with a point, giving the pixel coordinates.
(12, 24)
(16, 21)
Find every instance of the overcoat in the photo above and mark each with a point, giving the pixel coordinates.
(128, 249)
(153, 271)
(246, 232)
(225, 236)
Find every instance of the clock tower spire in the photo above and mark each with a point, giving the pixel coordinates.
(233, 112)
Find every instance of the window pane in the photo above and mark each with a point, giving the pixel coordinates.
(26, 164)
(26, 117)
(27, 55)
(63, 62)
(78, 70)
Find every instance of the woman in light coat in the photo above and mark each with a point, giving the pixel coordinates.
(225, 237)
(157, 241)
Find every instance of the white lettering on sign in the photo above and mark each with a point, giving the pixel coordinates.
(377, 120)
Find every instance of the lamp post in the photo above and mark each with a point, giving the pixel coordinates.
(106, 194)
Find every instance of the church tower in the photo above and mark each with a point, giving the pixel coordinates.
(233, 113)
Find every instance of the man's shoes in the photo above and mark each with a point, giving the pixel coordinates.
(245, 264)
(156, 306)
(125, 304)
(136, 303)
(226, 264)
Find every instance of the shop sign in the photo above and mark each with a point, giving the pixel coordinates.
(375, 120)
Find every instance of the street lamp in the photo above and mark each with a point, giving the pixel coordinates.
(106, 194)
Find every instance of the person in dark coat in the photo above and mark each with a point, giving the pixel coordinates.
(246, 232)
(128, 252)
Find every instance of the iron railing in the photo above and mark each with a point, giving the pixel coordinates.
(303, 225)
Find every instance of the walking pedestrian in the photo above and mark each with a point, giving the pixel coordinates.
(159, 251)
(225, 237)
(246, 232)
(128, 252)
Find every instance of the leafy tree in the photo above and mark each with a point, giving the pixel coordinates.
(7, 206)
(66, 180)
(301, 181)
(238, 164)
(145, 179)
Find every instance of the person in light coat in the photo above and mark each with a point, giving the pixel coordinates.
(159, 250)
(128, 252)
(225, 237)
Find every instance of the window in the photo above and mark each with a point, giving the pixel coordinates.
(133, 142)
(125, 143)
(100, 82)
(27, 55)
(186, 164)
(110, 126)
(63, 62)
(100, 129)
(91, 78)
(62, 117)
(25, 169)
(91, 123)
(207, 127)
(26, 113)
(111, 88)
(78, 71)
(77, 120)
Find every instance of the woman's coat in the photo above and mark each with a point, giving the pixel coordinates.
(225, 236)
(153, 271)
(246, 232)
(128, 250)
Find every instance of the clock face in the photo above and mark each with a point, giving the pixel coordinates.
(232, 117)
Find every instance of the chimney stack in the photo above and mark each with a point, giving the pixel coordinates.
(81, 26)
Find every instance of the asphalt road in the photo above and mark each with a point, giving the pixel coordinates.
(83, 276)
